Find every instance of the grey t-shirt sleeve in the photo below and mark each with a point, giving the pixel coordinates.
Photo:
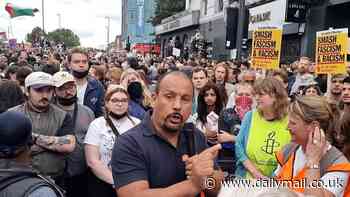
(43, 192)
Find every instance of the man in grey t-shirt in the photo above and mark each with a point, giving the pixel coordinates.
(66, 97)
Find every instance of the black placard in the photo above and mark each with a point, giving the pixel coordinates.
(296, 11)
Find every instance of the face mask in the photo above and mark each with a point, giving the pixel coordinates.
(117, 116)
(80, 75)
(135, 90)
(67, 101)
(243, 105)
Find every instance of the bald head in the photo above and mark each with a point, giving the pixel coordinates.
(173, 102)
(181, 75)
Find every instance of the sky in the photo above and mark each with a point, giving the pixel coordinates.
(86, 18)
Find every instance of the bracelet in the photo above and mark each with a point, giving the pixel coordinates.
(313, 166)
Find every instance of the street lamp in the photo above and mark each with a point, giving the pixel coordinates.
(42, 15)
(59, 20)
(108, 29)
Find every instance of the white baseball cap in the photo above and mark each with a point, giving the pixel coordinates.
(62, 77)
(38, 80)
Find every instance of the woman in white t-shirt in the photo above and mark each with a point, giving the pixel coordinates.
(100, 138)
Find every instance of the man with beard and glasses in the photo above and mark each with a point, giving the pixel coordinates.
(53, 134)
(75, 181)
(90, 92)
(152, 159)
(301, 76)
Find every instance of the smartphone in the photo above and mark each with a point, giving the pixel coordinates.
(212, 121)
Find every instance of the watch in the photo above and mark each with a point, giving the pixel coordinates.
(313, 166)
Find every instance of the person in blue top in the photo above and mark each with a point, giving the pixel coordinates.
(263, 131)
(90, 92)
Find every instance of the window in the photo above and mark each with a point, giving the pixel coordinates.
(132, 16)
(231, 1)
(220, 5)
(205, 7)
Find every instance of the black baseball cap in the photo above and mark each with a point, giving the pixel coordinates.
(15, 131)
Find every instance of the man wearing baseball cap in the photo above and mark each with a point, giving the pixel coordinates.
(52, 127)
(75, 181)
(15, 142)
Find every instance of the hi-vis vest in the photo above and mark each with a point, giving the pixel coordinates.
(332, 161)
(265, 139)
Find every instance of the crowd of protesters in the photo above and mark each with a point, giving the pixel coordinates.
(114, 123)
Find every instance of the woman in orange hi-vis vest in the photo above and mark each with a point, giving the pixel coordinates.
(309, 164)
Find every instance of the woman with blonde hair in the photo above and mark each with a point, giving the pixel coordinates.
(263, 131)
(113, 76)
(310, 157)
(140, 97)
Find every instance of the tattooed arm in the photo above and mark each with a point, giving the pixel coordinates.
(63, 144)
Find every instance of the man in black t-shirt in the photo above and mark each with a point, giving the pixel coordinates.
(152, 159)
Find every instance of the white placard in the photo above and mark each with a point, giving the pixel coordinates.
(176, 52)
(267, 15)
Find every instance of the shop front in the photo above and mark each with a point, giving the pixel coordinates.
(273, 15)
(176, 32)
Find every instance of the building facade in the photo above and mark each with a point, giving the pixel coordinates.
(206, 17)
(323, 15)
(299, 19)
(136, 27)
(272, 14)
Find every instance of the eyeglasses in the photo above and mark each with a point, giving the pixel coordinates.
(67, 87)
(115, 100)
(337, 81)
(249, 81)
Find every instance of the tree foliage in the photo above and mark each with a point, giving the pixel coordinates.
(166, 8)
(66, 36)
(36, 35)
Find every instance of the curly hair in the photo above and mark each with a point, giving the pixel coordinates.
(202, 109)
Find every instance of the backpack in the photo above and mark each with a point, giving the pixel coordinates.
(23, 183)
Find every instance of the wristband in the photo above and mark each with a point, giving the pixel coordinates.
(313, 166)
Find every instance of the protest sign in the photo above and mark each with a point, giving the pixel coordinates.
(266, 48)
(176, 52)
(331, 51)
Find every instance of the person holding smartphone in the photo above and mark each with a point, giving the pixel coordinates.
(310, 156)
(209, 107)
